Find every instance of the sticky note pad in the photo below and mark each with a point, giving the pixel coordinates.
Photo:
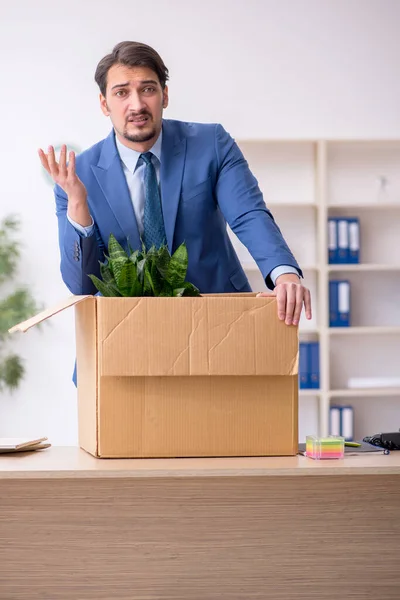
(324, 447)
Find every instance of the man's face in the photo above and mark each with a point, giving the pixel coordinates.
(134, 102)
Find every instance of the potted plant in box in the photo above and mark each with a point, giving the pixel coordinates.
(144, 273)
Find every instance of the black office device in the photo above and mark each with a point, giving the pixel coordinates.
(388, 441)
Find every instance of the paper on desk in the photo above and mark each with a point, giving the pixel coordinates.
(22, 444)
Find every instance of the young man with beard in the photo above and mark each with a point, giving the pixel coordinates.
(165, 181)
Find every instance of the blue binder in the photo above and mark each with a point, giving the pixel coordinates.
(333, 304)
(343, 291)
(339, 303)
(333, 258)
(354, 240)
(313, 348)
(343, 240)
(304, 369)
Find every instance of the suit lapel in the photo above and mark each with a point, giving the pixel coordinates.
(112, 181)
(173, 154)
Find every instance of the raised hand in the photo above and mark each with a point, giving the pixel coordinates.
(65, 176)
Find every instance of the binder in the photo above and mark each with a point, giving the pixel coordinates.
(343, 241)
(354, 240)
(332, 241)
(304, 369)
(343, 303)
(333, 304)
(347, 423)
(313, 348)
(335, 420)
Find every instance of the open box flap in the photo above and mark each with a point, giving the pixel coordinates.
(49, 312)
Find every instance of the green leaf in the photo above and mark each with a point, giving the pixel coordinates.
(136, 256)
(115, 250)
(117, 257)
(190, 289)
(106, 273)
(11, 372)
(154, 277)
(9, 248)
(140, 269)
(129, 285)
(177, 267)
(106, 289)
(166, 289)
(178, 292)
(163, 260)
(147, 284)
(108, 263)
(187, 289)
(15, 308)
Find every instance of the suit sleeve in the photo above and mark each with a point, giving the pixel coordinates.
(79, 255)
(241, 202)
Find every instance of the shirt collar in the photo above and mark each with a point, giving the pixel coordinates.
(130, 157)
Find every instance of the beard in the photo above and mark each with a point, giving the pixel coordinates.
(144, 136)
(141, 136)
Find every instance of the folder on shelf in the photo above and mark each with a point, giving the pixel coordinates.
(332, 241)
(335, 420)
(343, 290)
(313, 349)
(341, 422)
(343, 241)
(354, 240)
(333, 304)
(347, 423)
(304, 370)
(309, 365)
(339, 303)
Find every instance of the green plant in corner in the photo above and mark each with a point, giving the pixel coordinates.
(15, 306)
(144, 273)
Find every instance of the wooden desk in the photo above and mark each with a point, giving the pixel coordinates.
(75, 527)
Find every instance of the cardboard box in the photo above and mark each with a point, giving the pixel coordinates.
(215, 375)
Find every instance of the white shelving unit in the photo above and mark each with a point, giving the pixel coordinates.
(304, 182)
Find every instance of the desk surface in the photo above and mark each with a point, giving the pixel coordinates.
(71, 462)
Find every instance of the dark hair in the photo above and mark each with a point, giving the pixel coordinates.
(131, 54)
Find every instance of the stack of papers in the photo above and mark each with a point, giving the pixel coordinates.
(22, 444)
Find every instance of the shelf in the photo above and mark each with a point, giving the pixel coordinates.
(308, 331)
(368, 392)
(378, 330)
(274, 205)
(368, 206)
(308, 181)
(362, 267)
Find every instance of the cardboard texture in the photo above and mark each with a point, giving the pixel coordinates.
(215, 375)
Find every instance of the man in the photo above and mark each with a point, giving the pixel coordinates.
(165, 181)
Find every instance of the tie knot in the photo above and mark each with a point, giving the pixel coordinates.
(147, 157)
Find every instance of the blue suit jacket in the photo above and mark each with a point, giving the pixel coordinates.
(205, 183)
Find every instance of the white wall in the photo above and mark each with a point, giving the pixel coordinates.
(288, 69)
